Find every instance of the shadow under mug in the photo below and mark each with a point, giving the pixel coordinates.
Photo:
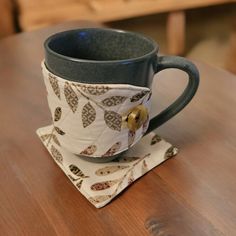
(110, 56)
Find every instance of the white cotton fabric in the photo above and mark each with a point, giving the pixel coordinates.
(76, 138)
(100, 187)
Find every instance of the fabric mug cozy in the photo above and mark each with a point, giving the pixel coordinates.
(99, 89)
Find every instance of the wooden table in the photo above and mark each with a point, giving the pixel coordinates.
(191, 194)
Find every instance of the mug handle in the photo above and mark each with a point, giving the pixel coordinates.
(165, 62)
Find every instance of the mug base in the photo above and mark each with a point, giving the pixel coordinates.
(100, 159)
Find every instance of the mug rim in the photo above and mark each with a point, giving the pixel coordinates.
(154, 51)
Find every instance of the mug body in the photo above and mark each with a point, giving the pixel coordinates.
(99, 89)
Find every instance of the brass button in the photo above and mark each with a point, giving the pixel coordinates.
(137, 116)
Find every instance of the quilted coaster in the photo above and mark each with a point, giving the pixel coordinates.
(101, 182)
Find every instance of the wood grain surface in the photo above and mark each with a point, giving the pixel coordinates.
(191, 194)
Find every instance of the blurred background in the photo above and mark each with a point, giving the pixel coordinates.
(203, 30)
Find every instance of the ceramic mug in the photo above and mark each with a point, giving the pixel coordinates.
(109, 56)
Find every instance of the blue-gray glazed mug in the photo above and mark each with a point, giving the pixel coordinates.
(109, 56)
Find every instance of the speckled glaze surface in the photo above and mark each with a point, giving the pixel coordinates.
(102, 56)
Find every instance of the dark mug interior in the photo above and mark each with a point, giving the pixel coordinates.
(97, 55)
(100, 44)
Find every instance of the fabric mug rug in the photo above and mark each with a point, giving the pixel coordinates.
(101, 182)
